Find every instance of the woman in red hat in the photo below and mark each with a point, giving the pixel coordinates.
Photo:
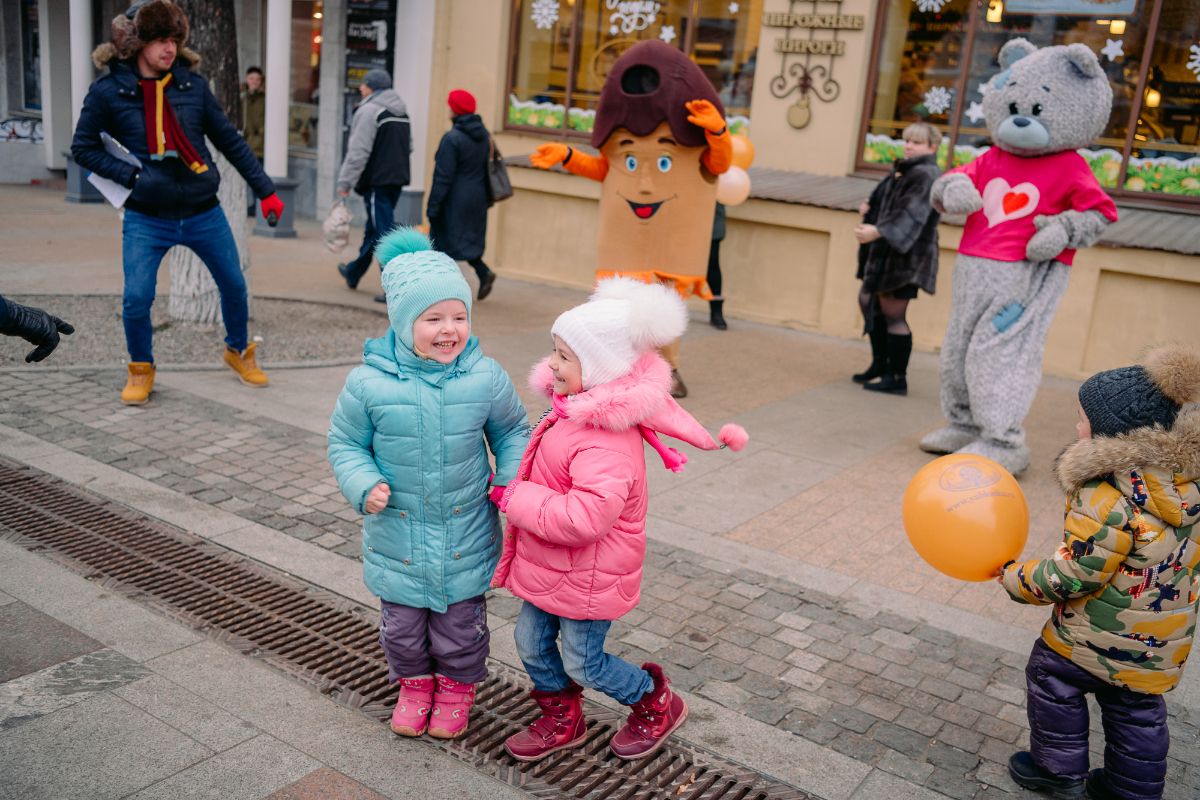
(458, 196)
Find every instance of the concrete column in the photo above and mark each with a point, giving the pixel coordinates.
(54, 28)
(414, 66)
(82, 70)
(331, 103)
(277, 72)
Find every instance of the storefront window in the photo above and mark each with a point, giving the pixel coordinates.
(307, 17)
(1165, 155)
(31, 62)
(564, 49)
(930, 51)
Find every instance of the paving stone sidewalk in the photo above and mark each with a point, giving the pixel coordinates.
(936, 709)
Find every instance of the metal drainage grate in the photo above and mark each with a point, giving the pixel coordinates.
(332, 644)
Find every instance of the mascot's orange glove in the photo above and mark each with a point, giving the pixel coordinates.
(719, 154)
(573, 161)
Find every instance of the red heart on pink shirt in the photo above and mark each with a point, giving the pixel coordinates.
(1003, 202)
(1014, 201)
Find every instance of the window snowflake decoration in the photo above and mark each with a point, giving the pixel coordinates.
(930, 6)
(544, 14)
(1194, 61)
(667, 34)
(937, 100)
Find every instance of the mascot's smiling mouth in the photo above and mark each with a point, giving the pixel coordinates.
(645, 210)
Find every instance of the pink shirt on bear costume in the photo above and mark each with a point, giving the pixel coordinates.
(1016, 189)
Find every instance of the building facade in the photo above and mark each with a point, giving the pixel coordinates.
(822, 87)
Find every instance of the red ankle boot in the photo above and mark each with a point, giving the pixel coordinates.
(651, 719)
(560, 726)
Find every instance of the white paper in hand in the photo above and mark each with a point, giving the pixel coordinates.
(114, 192)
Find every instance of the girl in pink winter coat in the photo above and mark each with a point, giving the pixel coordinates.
(576, 536)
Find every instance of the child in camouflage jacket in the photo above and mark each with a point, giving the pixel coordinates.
(1124, 583)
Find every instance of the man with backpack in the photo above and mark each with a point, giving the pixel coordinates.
(376, 165)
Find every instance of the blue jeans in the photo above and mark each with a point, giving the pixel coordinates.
(146, 239)
(381, 218)
(582, 659)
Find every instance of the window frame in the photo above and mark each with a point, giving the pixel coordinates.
(685, 44)
(1125, 196)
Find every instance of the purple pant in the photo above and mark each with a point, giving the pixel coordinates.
(1135, 726)
(453, 643)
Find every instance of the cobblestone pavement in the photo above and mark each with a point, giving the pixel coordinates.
(939, 710)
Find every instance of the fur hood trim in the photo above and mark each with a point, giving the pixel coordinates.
(617, 405)
(1176, 450)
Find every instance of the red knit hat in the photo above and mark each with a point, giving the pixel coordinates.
(461, 102)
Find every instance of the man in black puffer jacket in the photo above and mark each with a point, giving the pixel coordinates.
(152, 103)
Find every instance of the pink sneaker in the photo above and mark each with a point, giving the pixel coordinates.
(411, 716)
(451, 708)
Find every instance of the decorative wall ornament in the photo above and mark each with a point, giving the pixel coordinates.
(667, 34)
(1114, 49)
(816, 40)
(938, 99)
(930, 6)
(1194, 61)
(544, 14)
(631, 16)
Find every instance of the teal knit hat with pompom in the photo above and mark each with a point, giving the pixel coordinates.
(415, 276)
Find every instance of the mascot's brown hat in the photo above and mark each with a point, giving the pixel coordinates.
(146, 21)
(648, 85)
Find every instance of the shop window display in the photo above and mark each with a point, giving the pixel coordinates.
(562, 51)
(307, 17)
(930, 52)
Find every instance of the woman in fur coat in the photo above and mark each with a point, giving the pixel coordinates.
(1124, 583)
(898, 256)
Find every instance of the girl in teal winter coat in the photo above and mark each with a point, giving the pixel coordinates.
(408, 443)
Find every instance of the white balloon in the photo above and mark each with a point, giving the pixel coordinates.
(733, 186)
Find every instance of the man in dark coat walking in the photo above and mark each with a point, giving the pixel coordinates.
(152, 103)
(458, 197)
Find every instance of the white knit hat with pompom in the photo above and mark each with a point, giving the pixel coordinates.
(623, 320)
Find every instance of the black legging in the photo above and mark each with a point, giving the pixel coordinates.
(481, 269)
(714, 268)
(894, 310)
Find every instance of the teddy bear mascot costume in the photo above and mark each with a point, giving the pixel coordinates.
(660, 129)
(1031, 201)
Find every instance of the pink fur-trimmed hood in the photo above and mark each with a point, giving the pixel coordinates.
(617, 405)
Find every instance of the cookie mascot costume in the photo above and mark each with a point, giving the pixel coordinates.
(660, 129)
(1032, 201)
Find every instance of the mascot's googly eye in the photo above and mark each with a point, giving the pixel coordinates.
(1037, 109)
(1012, 109)
(664, 163)
(631, 163)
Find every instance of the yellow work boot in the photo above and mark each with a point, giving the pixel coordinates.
(246, 367)
(139, 384)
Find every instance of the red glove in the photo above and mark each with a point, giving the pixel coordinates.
(496, 493)
(272, 209)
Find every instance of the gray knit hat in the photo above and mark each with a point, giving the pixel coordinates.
(377, 79)
(415, 277)
(1118, 400)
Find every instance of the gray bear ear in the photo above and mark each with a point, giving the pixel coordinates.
(1083, 59)
(1016, 49)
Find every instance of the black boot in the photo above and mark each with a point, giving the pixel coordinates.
(1027, 774)
(678, 387)
(716, 317)
(895, 379)
(878, 336)
(487, 279)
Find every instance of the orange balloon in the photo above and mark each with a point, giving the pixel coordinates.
(966, 516)
(743, 150)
